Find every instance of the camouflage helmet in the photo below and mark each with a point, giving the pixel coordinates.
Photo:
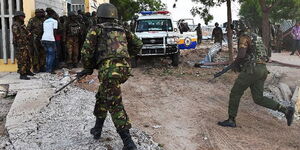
(19, 13)
(39, 11)
(107, 10)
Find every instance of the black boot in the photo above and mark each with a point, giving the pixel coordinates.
(29, 73)
(96, 131)
(43, 69)
(228, 123)
(24, 77)
(127, 141)
(289, 115)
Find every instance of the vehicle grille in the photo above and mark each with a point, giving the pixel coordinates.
(153, 40)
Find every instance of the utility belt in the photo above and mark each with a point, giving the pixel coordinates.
(249, 67)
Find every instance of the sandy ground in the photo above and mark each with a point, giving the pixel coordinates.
(180, 108)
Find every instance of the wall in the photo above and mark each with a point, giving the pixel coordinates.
(92, 5)
(59, 6)
(29, 8)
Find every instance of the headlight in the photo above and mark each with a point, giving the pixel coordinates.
(172, 40)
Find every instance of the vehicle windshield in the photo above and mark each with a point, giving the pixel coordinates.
(154, 25)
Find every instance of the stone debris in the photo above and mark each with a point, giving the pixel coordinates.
(286, 91)
(3, 90)
(65, 123)
(282, 93)
(296, 100)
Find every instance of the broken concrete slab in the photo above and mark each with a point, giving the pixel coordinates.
(276, 91)
(26, 104)
(296, 100)
(65, 123)
(286, 91)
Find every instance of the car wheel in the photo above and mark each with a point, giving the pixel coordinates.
(175, 59)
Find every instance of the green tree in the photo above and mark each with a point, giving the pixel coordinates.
(128, 8)
(259, 14)
(204, 13)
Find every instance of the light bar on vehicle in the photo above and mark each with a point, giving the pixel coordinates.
(154, 12)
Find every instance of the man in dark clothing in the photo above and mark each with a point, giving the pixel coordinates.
(217, 34)
(251, 63)
(21, 42)
(199, 33)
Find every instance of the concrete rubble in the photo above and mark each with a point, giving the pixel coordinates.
(39, 120)
(282, 93)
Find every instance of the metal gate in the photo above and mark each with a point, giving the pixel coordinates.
(7, 9)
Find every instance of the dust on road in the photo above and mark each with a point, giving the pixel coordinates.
(180, 109)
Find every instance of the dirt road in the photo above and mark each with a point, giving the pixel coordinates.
(180, 108)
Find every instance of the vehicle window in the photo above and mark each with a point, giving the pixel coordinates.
(154, 25)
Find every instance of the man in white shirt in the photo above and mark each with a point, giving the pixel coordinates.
(50, 25)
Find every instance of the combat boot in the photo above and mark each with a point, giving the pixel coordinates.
(24, 77)
(127, 140)
(29, 73)
(289, 115)
(230, 122)
(43, 69)
(96, 131)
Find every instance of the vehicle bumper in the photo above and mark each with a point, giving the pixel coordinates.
(149, 50)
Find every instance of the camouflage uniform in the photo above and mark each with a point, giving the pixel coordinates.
(251, 62)
(107, 46)
(35, 27)
(21, 42)
(72, 33)
(217, 35)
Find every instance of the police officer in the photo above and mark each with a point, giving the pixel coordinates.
(21, 42)
(72, 33)
(35, 27)
(217, 34)
(108, 47)
(199, 33)
(251, 63)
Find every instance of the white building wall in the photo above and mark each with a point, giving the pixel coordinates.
(60, 6)
(93, 4)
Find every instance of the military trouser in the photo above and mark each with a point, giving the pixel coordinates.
(73, 49)
(24, 62)
(112, 74)
(256, 82)
(38, 55)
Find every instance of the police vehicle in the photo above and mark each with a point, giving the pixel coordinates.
(188, 34)
(159, 35)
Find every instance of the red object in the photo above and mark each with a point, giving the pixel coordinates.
(163, 12)
(58, 37)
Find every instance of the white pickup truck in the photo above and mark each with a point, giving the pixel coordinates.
(159, 35)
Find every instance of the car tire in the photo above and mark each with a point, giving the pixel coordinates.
(175, 59)
(134, 62)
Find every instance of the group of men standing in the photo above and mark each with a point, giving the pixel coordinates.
(107, 46)
(50, 41)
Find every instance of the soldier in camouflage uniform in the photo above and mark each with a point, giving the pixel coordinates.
(108, 47)
(217, 34)
(72, 33)
(251, 63)
(35, 27)
(21, 42)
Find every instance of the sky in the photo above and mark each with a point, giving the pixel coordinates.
(183, 8)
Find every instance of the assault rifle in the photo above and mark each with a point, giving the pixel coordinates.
(226, 69)
(69, 83)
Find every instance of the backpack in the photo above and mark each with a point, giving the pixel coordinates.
(112, 42)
